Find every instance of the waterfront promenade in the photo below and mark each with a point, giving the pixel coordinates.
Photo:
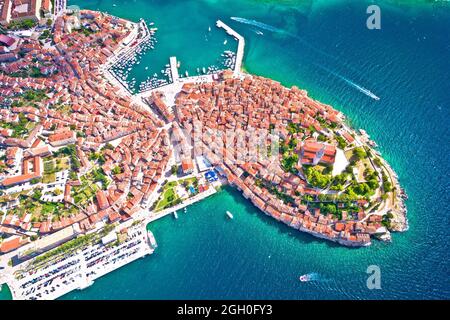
(150, 216)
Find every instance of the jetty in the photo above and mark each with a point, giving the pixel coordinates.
(241, 44)
(174, 69)
(79, 269)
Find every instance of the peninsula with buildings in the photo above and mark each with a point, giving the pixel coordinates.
(86, 164)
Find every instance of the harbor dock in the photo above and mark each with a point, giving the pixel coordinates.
(174, 69)
(240, 49)
(79, 269)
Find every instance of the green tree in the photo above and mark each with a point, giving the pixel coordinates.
(359, 153)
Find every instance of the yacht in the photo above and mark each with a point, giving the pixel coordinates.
(152, 239)
(229, 215)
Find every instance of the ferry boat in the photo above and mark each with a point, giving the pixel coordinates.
(304, 278)
(309, 277)
(152, 239)
(229, 215)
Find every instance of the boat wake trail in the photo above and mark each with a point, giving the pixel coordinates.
(313, 276)
(367, 92)
(270, 28)
(258, 24)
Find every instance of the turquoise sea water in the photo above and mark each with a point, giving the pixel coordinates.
(406, 64)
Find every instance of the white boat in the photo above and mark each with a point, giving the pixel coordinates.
(209, 29)
(204, 70)
(187, 74)
(304, 278)
(225, 42)
(185, 209)
(309, 277)
(152, 239)
(175, 215)
(229, 215)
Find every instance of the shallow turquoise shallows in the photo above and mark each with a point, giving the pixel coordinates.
(315, 45)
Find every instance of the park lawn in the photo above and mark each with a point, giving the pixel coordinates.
(49, 166)
(349, 154)
(84, 193)
(167, 194)
(65, 109)
(62, 164)
(171, 184)
(52, 165)
(30, 126)
(319, 168)
(49, 178)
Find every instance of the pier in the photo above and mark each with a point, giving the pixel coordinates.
(174, 69)
(240, 49)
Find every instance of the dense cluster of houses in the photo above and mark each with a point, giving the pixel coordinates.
(98, 116)
(83, 109)
(12, 10)
(255, 102)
